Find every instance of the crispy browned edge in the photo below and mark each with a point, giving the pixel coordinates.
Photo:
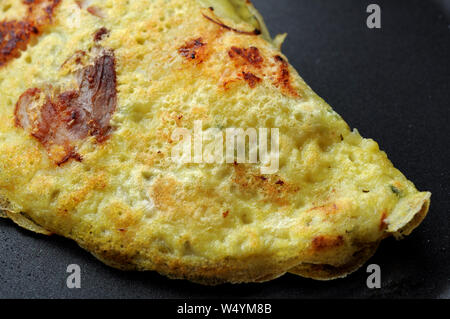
(225, 270)
(329, 272)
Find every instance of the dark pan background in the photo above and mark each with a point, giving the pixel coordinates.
(392, 84)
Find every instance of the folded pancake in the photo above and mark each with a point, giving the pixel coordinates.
(91, 92)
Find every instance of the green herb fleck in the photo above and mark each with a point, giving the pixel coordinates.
(396, 191)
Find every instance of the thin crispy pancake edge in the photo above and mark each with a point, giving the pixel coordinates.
(213, 274)
(398, 230)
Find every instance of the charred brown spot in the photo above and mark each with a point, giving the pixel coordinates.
(100, 34)
(266, 185)
(251, 79)
(194, 50)
(321, 243)
(284, 77)
(223, 25)
(249, 61)
(59, 120)
(248, 56)
(225, 214)
(16, 35)
(383, 224)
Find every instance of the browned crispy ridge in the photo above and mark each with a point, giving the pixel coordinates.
(16, 35)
